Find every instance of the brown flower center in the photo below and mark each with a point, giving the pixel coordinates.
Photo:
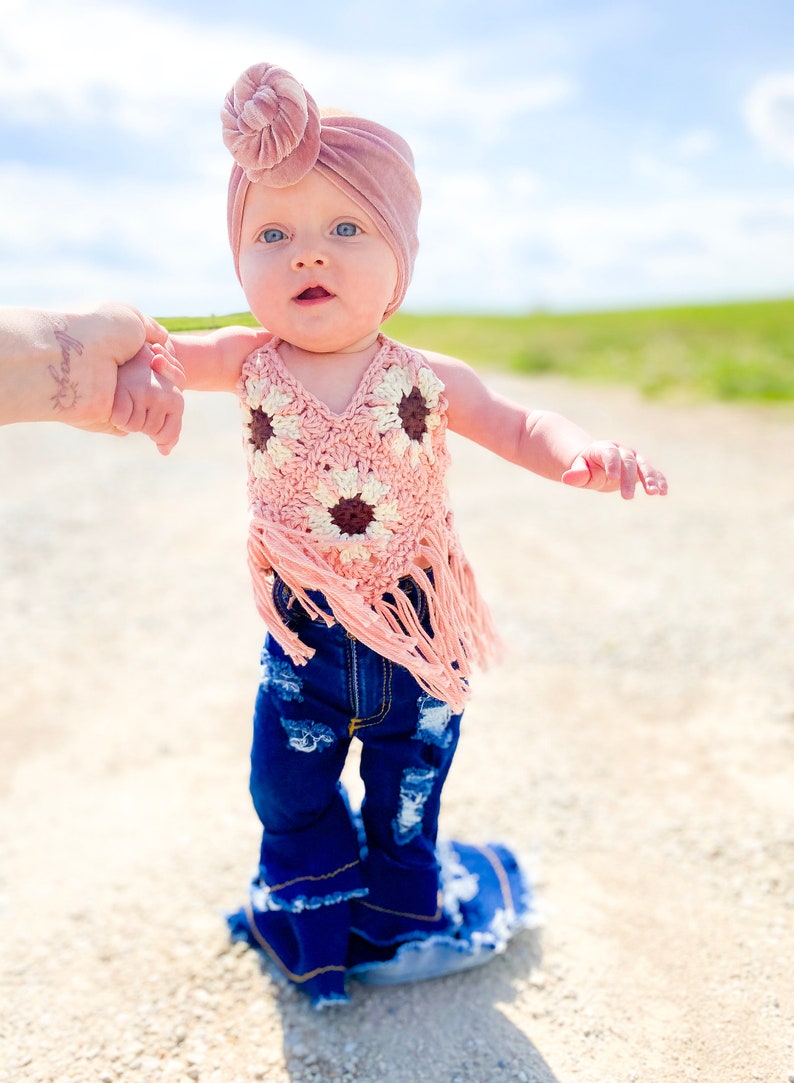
(352, 514)
(261, 429)
(413, 411)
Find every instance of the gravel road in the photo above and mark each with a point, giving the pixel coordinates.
(635, 744)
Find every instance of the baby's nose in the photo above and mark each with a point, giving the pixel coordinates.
(309, 255)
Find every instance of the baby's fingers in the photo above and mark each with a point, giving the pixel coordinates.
(653, 481)
(634, 468)
(167, 366)
(167, 436)
(628, 472)
(125, 417)
(609, 467)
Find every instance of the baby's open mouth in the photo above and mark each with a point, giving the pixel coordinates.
(313, 293)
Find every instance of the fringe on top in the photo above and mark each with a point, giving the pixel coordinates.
(350, 504)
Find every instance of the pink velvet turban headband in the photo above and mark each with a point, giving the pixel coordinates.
(274, 131)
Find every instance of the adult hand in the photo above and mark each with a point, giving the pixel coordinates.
(58, 366)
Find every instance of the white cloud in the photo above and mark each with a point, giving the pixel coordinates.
(664, 174)
(487, 248)
(71, 242)
(671, 167)
(695, 144)
(494, 239)
(769, 112)
(116, 73)
(147, 71)
(155, 81)
(449, 90)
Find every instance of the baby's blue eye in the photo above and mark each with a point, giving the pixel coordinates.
(270, 236)
(346, 229)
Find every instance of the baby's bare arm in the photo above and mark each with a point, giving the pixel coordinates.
(213, 362)
(542, 441)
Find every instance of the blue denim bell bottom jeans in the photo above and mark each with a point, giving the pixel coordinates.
(334, 888)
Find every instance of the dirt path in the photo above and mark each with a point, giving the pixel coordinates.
(636, 745)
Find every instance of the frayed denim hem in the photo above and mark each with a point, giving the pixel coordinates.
(489, 898)
(484, 887)
(262, 898)
(437, 955)
(304, 948)
(323, 1003)
(432, 957)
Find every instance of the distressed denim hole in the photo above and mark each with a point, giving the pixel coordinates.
(303, 735)
(415, 788)
(281, 679)
(434, 719)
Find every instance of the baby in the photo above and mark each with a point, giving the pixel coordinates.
(374, 619)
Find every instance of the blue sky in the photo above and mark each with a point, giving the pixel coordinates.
(572, 154)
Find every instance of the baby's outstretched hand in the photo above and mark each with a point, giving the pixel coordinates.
(148, 396)
(609, 467)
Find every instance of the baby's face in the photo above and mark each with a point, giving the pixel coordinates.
(315, 269)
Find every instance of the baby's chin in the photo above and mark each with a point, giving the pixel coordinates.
(328, 342)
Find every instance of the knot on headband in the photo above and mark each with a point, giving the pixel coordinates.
(271, 126)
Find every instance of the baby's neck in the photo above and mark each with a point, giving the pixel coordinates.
(333, 378)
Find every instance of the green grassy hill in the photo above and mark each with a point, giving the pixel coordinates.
(740, 352)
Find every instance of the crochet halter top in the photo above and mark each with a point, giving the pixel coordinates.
(349, 504)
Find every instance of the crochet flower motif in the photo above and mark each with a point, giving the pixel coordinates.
(410, 412)
(269, 428)
(350, 508)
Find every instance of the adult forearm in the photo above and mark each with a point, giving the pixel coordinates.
(58, 366)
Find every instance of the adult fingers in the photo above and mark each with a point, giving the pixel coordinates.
(155, 332)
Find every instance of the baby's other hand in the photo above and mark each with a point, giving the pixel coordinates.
(609, 467)
(148, 396)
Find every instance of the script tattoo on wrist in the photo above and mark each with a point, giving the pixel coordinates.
(66, 394)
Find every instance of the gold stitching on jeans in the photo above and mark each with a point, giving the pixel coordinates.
(249, 913)
(387, 670)
(402, 914)
(322, 876)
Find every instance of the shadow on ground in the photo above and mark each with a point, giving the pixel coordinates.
(450, 1030)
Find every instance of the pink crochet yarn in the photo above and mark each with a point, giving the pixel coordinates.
(349, 504)
(274, 131)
